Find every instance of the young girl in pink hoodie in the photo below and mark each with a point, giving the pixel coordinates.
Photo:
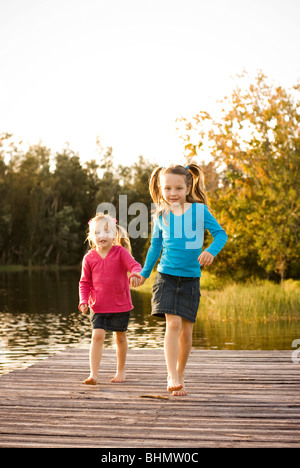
(104, 287)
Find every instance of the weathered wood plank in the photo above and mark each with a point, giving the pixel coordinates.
(236, 399)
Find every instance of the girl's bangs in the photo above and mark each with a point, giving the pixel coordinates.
(106, 220)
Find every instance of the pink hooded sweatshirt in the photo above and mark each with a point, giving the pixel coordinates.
(104, 282)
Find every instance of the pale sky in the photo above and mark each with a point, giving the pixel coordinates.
(126, 69)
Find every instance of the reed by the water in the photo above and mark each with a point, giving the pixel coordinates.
(252, 301)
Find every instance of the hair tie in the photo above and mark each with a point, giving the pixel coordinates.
(187, 167)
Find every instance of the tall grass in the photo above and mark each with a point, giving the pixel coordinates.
(252, 302)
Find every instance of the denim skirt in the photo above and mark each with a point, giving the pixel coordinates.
(176, 295)
(117, 322)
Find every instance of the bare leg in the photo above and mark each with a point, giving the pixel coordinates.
(96, 347)
(173, 327)
(121, 341)
(185, 345)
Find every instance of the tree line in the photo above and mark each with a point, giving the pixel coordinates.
(252, 181)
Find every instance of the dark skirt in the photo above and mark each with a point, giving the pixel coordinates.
(176, 295)
(117, 322)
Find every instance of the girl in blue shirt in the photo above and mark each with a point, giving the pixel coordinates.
(180, 220)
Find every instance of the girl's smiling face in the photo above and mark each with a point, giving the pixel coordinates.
(174, 189)
(104, 236)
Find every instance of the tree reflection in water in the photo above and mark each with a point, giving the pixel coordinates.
(39, 316)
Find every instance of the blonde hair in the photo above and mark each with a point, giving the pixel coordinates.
(121, 236)
(194, 178)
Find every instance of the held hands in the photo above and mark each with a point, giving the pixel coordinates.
(137, 280)
(205, 258)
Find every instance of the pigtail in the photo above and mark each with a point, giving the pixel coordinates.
(154, 187)
(197, 184)
(122, 238)
(155, 192)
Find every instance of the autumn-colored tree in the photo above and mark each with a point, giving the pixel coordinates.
(255, 144)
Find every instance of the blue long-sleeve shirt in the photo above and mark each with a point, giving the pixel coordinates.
(180, 239)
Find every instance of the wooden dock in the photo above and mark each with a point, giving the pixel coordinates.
(236, 399)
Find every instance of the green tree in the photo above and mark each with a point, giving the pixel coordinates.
(4, 206)
(25, 196)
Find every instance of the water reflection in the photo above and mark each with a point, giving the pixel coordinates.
(219, 334)
(39, 316)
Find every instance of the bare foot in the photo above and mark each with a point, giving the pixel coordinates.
(119, 377)
(182, 391)
(173, 385)
(90, 381)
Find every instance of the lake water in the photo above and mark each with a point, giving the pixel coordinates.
(39, 316)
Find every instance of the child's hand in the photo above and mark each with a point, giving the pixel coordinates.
(84, 308)
(136, 280)
(205, 258)
(142, 281)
